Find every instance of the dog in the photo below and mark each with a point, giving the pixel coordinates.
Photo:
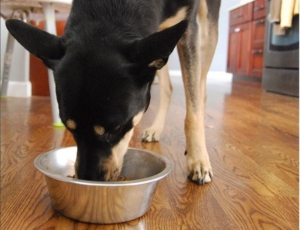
(105, 63)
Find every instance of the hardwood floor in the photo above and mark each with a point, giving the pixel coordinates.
(252, 137)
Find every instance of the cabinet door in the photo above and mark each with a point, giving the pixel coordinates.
(244, 43)
(233, 49)
(256, 63)
(257, 48)
(239, 48)
(258, 35)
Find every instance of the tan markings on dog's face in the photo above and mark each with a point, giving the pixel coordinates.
(99, 130)
(136, 119)
(169, 22)
(113, 165)
(71, 124)
(76, 166)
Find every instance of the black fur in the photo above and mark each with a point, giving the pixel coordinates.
(104, 65)
(101, 68)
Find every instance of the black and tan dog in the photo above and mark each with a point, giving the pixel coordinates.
(104, 65)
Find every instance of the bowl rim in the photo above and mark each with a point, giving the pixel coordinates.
(156, 177)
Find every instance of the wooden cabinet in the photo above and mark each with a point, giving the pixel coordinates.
(246, 39)
(257, 48)
(233, 50)
(241, 15)
(239, 42)
(259, 10)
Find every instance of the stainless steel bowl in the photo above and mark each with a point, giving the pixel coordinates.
(102, 202)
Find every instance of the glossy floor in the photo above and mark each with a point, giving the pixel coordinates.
(252, 139)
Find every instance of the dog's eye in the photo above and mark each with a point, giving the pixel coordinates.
(109, 135)
(115, 130)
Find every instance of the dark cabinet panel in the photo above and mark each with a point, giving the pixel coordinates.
(246, 40)
(244, 49)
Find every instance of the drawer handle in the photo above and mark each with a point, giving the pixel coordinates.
(258, 8)
(237, 30)
(262, 21)
(259, 51)
(237, 16)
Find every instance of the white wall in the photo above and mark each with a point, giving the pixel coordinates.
(220, 58)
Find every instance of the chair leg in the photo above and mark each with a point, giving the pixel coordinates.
(50, 27)
(7, 64)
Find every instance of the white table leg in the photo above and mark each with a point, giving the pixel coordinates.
(50, 26)
(7, 64)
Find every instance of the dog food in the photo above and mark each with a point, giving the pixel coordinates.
(121, 178)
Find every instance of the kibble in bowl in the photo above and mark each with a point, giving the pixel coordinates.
(120, 178)
(103, 202)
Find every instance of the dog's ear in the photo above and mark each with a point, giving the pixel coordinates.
(155, 49)
(38, 42)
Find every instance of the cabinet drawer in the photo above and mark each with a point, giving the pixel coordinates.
(259, 9)
(241, 14)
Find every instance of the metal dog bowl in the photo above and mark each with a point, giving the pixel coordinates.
(102, 202)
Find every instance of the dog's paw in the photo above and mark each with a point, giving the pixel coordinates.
(151, 134)
(199, 171)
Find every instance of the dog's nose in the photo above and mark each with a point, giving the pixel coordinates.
(90, 176)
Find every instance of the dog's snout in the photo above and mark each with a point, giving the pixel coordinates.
(100, 174)
(101, 163)
(98, 169)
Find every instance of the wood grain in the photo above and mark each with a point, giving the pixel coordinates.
(252, 137)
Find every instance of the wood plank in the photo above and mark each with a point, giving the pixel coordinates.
(252, 137)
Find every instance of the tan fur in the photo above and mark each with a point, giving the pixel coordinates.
(198, 162)
(137, 118)
(153, 133)
(196, 50)
(76, 166)
(99, 130)
(71, 124)
(158, 64)
(180, 15)
(113, 165)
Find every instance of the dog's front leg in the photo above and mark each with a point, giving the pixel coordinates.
(196, 51)
(153, 133)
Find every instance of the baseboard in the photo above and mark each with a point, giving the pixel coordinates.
(19, 89)
(23, 89)
(211, 75)
(175, 73)
(216, 76)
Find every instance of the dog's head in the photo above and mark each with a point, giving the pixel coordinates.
(102, 87)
